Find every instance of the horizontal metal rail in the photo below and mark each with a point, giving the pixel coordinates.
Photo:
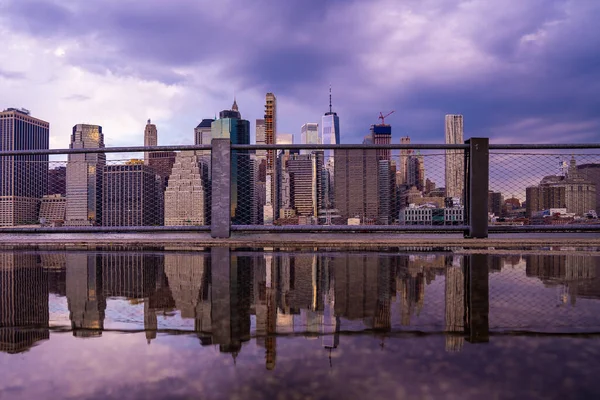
(562, 146)
(349, 146)
(544, 228)
(126, 149)
(153, 149)
(349, 228)
(104, 229)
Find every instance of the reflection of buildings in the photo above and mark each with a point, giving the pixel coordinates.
(85, 294)
(455, 303)
(579, 274)
(23, 302)
(228, 294)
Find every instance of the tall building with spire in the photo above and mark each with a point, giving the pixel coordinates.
(330, 130)
(84, 177)
(150, 139)
(330, 134)
(455, 164)
(23, 179)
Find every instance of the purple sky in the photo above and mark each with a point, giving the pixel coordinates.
(519, 71)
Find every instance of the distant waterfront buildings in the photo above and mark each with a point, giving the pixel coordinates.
(57, 181)
(591, 173)
(330, 134)
(162, 164)
(402, 173)
(309, 134)
(271, 206)
(330, 131)
(23, 179)
(230, 125)
(132, 196)
(285, 138)
(52, 209)
(84, 177)
(382, 134)
(202, 133)
(186, 194)
(356, 184)
(455, 167)
(572, 191)
(150, 139)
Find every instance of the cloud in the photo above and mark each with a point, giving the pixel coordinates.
(11, 75)
(498, 65)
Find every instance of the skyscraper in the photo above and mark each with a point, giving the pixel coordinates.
(330, 130)
(23, 179)
(303, 173)
(132, 196)
(309, 134)
(270, 127)
(185, 196)
(57, 181)
(84, 177)
(382, 134)
(330, 134)
(230, 125)
(455, 165)
(357, 184)
(202, 133)
(403, 167)
(260, 139)
(271, 205)
(150, 139)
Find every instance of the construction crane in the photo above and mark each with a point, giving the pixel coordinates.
(383, 117)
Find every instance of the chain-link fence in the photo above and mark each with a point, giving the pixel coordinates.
(544, 187)
(349, 186)
(168, 188)
(396, 186)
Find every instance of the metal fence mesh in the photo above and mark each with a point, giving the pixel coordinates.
(349, 186)
(364, 186)
(168, 188)
(544, 187)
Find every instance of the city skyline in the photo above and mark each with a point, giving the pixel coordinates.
(527, 84)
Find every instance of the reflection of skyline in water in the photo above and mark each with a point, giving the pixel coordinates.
(231, 297)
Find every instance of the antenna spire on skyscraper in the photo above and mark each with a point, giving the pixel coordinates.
(330, 110)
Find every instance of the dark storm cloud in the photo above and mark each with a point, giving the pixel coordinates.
(500, 64)
(11, 75)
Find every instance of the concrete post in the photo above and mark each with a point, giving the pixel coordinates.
(476, 187)
(477, 307)
(220, 226)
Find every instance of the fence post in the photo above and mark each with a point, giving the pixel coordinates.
(220, 209)
(476, 187)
